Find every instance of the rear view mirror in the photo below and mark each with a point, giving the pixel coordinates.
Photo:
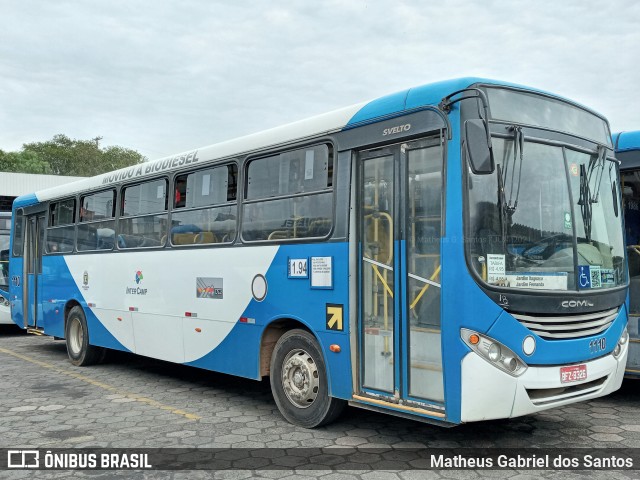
(479, 148)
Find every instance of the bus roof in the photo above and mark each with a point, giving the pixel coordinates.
(367, 112)
(625, 141)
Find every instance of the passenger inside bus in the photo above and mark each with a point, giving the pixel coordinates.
(181, 192)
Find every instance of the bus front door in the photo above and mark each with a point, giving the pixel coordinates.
(399, 226)
(33, 270)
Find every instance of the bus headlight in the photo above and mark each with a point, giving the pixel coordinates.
(624, 338)
(494, 352)
(4, 301)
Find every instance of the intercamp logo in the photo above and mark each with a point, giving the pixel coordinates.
(23, 459)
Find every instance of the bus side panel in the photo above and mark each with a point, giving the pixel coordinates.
(296, 299)
(59, 289)
(99, 335)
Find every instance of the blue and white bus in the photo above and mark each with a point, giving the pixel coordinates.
(450, 253)
(627, 147)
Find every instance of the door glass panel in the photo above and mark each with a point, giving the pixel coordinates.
(424, 217)
(376, 227)
(32, 267)
(40, 244)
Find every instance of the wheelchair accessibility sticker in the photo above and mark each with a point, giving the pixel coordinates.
(584, 276)
(593, 276)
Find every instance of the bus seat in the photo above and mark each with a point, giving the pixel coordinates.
(278, 235)
(183, 238)
(205, 237)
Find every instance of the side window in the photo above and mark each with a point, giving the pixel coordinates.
(61, 231)
(143, 216)
(18, 235)
(289, 196)
(96, 228)
(204, 206)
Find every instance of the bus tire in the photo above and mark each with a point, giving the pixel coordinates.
(299, 381)
(80, 352)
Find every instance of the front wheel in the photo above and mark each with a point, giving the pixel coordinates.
(299, 381)
(80, 352)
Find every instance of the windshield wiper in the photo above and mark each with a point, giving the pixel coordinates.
(596, 166)
(518, 146)
(585, 202)
(509, 207)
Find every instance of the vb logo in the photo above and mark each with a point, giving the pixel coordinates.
(23, 459)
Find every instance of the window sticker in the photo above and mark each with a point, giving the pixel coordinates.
(596, 279)
(206, 180)
(575, 171)
(308, 164)
(567, 220)
(538, 280)
(160, 191)
(608, 276)
(496, 269)
(594, 276)
(584, 276)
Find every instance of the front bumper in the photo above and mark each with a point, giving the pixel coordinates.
(489, 393)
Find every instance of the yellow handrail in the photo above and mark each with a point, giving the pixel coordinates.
(425, 288)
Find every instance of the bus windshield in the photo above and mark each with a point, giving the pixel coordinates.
(548, 218)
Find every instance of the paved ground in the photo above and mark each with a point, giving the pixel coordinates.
(141, 403)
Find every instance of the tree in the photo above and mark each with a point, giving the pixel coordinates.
(23, 162)
(82, 158)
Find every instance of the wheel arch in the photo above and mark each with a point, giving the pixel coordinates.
(272, 333)
(67, 308)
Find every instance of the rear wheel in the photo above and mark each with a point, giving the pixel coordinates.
(80, 352)
(299, 381)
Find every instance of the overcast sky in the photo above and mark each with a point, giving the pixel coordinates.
(163, 77)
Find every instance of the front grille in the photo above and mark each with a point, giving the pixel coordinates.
(545, 396)
(568, 326)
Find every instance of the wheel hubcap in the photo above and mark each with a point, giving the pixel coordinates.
(76, 336)
(300, 378)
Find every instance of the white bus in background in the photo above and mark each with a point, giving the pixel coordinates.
(5, 230)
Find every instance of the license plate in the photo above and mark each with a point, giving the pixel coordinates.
(573, 373)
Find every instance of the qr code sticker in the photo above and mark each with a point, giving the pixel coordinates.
(596, 277)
